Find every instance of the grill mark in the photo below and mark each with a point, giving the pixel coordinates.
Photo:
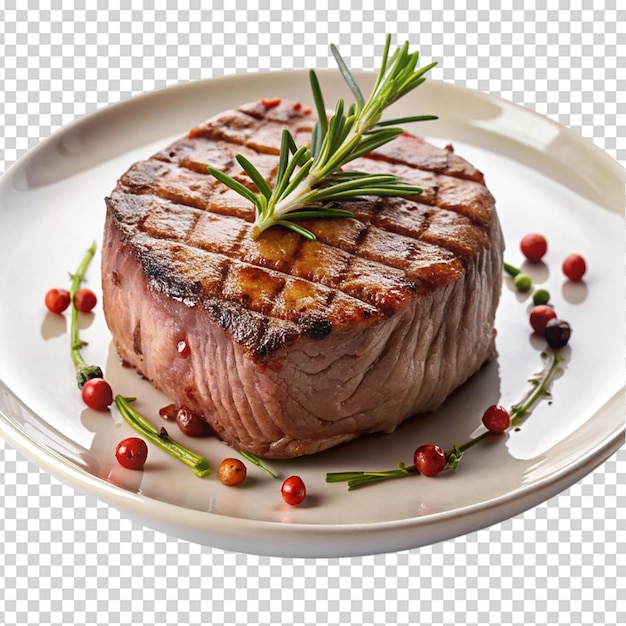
(379, 207)
(357, 252)
(195, 219)
(445, 169)
(240, 237)
(436, 200)
(301, 242)
(360, 239)
(224, 271)
(260, 117)
(298, 251)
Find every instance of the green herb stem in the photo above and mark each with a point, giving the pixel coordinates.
(360, 479)
(540, 389)
(84, 371)
(256, 461)
(511, 270)
(197, 463)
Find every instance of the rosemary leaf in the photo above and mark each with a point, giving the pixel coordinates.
(255, 175)
(348, 77)
(242, 190)
(322, 123)
(406, 120)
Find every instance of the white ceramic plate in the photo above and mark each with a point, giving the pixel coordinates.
(545, 178)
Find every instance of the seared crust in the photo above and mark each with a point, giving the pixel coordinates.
(192, 234)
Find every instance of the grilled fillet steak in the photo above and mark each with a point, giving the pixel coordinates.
(295, 345)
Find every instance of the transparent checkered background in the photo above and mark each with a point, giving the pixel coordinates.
(69, 559)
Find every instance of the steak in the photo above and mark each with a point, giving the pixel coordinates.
(292, 346)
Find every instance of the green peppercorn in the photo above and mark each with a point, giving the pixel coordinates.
(523, 282)
(541, 296)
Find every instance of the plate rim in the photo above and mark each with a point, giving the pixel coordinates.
(81, 479)
(344, 543)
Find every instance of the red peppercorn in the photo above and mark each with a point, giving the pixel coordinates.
(496, 419)
(429, 459)
(169, 412)
(231, 472)
(132, 453)
(270, 103)
(293, 490)
(574, 267)
(540, 316)
(85, 300)
(57, 300)
(97, 394)
(533, 246)
(192, 424)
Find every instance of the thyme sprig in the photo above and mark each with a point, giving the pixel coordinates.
(540, 388)
(84, 371)
(160, 438)
(310, 179)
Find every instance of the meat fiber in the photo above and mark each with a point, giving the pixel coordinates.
(294, 346)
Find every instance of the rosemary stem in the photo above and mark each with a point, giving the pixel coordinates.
(295, 199)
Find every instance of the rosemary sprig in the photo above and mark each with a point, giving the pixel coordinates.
(310, 180)
(540, 388)
(84, 371)
(198, 464)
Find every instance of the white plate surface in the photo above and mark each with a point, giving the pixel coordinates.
(545, 178)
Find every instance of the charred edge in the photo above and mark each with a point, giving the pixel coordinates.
(247, 329)
(124, 218)
(272, 340)
(319, 328)
(167, 281)
(222, 316)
